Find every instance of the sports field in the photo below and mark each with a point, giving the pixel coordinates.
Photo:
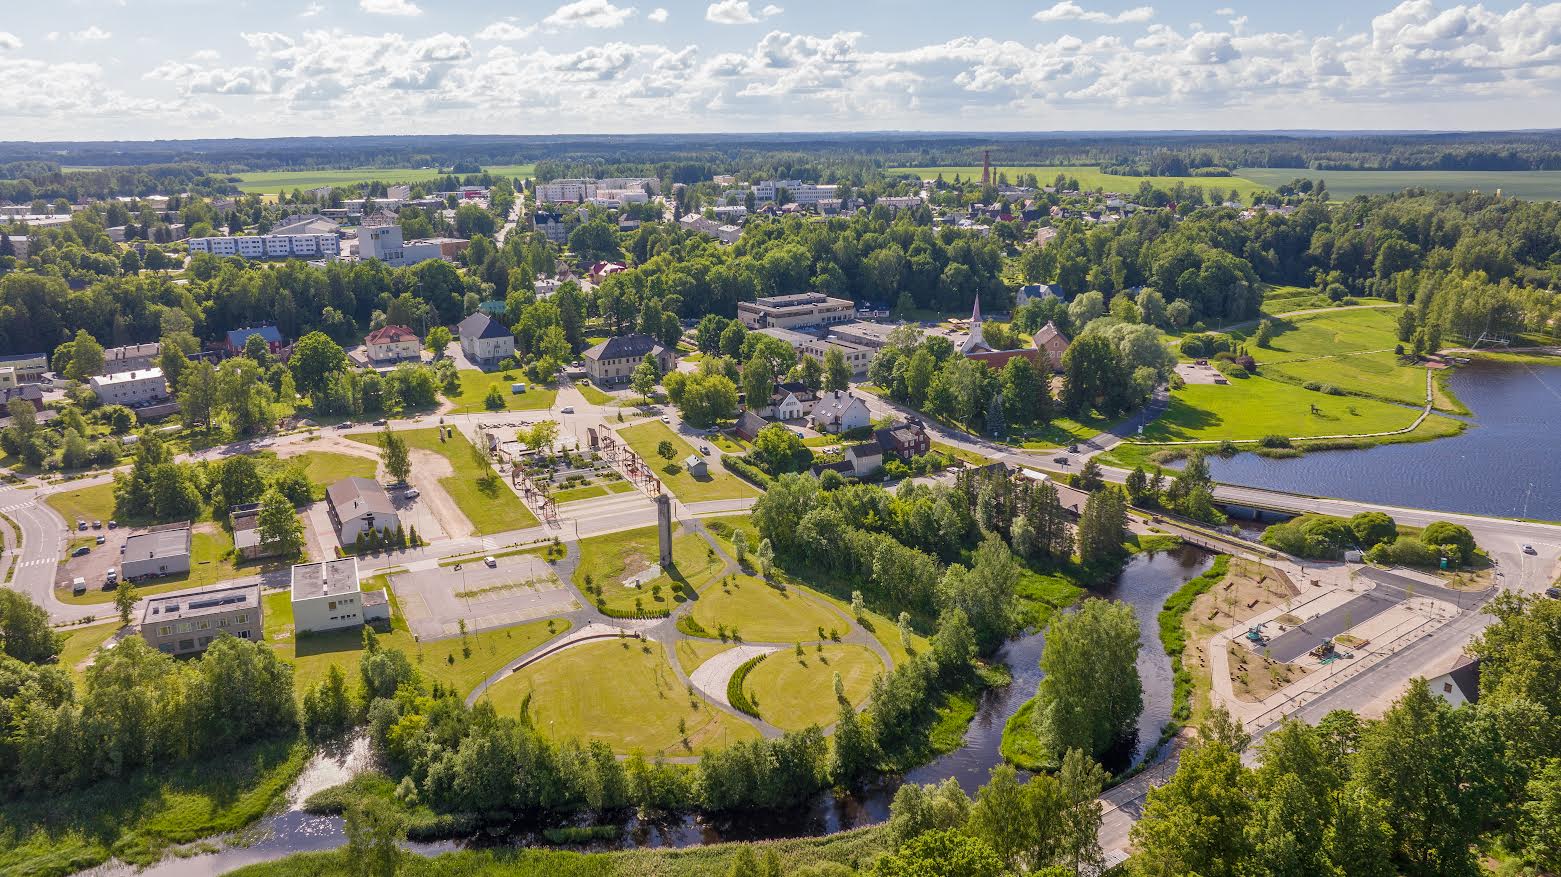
(1343, 185)
(271, 182)
(1091, 178)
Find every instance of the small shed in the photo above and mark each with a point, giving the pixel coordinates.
(696, 465)
(517, 389)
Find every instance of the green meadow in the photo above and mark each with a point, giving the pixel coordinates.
(1343, 185)
(1089, 178)
(271, 182)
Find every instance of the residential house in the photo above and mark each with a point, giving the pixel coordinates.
(749, 424)
(1457, 681)
(613, 361)
(791, 401)
(392, 344)
(159, 551)
(329, 596)
(183, 624)
(839, 411)
(135, 388)
(358, 506)
(1032, 291)
(864, 459)
(485, 341)
(602, 270)
(904, 440)
(133, 357)
(30, 393)
(234, 341)
(1050, 341)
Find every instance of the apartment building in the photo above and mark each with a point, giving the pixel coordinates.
(796, 311)
(329, 596)
(182, 624)
(131, 388)
(160, 551)
(613, 361)
(131, 357)
(392, 344)
(271, 246)
(30, 367)
(565, 191)
(485, 341)
(857, 356)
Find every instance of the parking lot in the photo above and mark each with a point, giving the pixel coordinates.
(518, 588)
(95, 564)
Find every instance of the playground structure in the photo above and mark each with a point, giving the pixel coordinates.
(619, 454)
(533, 494)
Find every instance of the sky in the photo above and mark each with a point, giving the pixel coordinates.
(168, 69)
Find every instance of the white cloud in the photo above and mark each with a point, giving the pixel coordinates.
(403, 8)
(505, 31)
(658, 15)
(312, 10)
(1225, 11)
(206, 55)
(1067, 10)
(9, 40)
(738, 12)
(91, 34)
(589, 13)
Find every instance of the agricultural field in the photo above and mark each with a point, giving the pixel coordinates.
(271, 182)
(717, 484)
(476, 488)
(1090, 178)
(644, 709)
(1343, 185)
(794, 691)
(474, 392)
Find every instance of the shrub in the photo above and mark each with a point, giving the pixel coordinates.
(1454, 539)
(734, 687)
(1274, 441)
(1405, 551)
(1373, 528)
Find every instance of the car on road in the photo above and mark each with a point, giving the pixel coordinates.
(1073, 449)
(665, 419)
(345, 424)
(1061, 461)
(380, 422)
(83, 551)
(1553, 593)
(490, 561)
(102, 539)
(704, 449)
(567, 409)
(412, 493)
(1529, 549)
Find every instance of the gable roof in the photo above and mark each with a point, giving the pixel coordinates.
(1047, 333)
(899, 435)
(833, 406)
(359, 496)
(864, 451)
(390, 335)
(237, 337)
(480, 325)
(621, 346)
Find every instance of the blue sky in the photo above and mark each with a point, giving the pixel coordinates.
(136, 69)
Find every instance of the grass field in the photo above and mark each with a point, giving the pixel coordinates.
(1258, 407)
(95, 503)
(610, 558)
(595, 395)
(474, 390)
(271, 182)
(591, 491)
(1351, 349)
(1090, 178)
(137, 819)
(325, 467)
(762, 613)
(718, 484)
(80, 643)
(621, 692)
(693, 652)
(479, 491)
(1342, 185)
(795, 691)
(440, 661)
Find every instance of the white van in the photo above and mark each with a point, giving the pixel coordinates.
(78, 586)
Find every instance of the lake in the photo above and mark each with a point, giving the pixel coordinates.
(1505, 464)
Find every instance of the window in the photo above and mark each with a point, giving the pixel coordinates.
(243, 619)
(332, 607)
(1447, 687)
(165, 630)
(203, 625)
(244, 634)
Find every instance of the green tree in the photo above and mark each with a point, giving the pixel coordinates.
(1541, 820)
(837, 375)
(438, 339)
(374, 831)
(809, 372)
(327, 707)
(394, 454)
(198, 394)
(124, 600)
(665, 450)
(494, 400)
(25, 631)
(1077, 844)
(645, 376)
(281, 532)
(1103, 528)
(86, 357)
(942, 853)
(238, 482)
(1091, 697)
(1264, 334)
(314, 357)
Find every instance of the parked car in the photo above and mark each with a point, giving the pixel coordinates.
(1529, 549)
(80, 524)
(704, 449)
(83, 551)
(380, 422)
(567, 409)
(666, 419)
(490, 561)
(102, 539)
(112, 577)
(78, 586)
(412, 493)
(1553, 593)
(97, 525)
(113, 524)
(345, 424)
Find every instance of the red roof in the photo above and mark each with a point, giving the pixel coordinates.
(390, 335)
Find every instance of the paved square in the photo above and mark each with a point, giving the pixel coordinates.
(521, 588)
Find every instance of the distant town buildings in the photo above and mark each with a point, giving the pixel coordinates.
(857, 356)
(271, 246)
(795, 311)
(382, 241)
(607, 192)
(183, 624)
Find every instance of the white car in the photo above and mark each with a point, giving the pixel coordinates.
(665, 419)
(1529, 549)
(412, 493)
(567, 409)
(490, 561)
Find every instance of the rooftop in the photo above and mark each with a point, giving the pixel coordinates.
(170, 541)
(353, 496)
(225, 598)
(480, 325)
(145, 374)
(623, 346)
(331, 578)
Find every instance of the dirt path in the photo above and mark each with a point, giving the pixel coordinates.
(427, 468)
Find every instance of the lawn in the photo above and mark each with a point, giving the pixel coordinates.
(326, 467)
(137, 819)
(80, 643)
(1256, 407)
(1351, 349)
(795, 691)
(1343, 185)
(481, 493)
(763, 613)
(693, 652)
(608, 559)
(474, 391)
(621, 692)
(1042, 594)
(271, 182)
(590, 491)
(211, 561)
(594, 395)
(442, 661)
(718, 484)
(1127, 455)
(1090, 178)
(95, 503)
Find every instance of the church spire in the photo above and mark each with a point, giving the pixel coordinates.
(975, 343)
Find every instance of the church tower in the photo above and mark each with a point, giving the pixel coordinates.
(975, 343)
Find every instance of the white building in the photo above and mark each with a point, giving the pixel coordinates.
(565, 191)
(796, 311)
(838, 412)
(857, 356)
(359, 505)
(485, 341)
(131, 388)
(328, 596)
(271, 246)
(132, 357)
(384, 243)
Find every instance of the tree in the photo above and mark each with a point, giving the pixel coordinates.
(665, 450)
(86, 357)
(394, 454)
(1197, 822)
(1091, 697)
(327, 707)
(438, 339)
(1264, 334)
(758, 381)
(1078, 836)
(374, 832)
(837, 375)
(124, 600)
(942, 853)
(1454, 540)
(314, 357)
(494, 400)
(25, 631)
(281, 532)
(809, 372)
(1373, 528)
(256, 348)
(1541, 820)
(198, 393)
(1103, 528)
(645, 376)
(854, 757)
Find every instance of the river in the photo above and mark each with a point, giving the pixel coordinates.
(1144, 584)
(1505, 464)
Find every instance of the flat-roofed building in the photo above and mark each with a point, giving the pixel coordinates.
(797, 311)
(30, 367)
(874, 335)
(181, 624)
(133, 388)
(329, 596)
(857, 357)
(160, 551)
